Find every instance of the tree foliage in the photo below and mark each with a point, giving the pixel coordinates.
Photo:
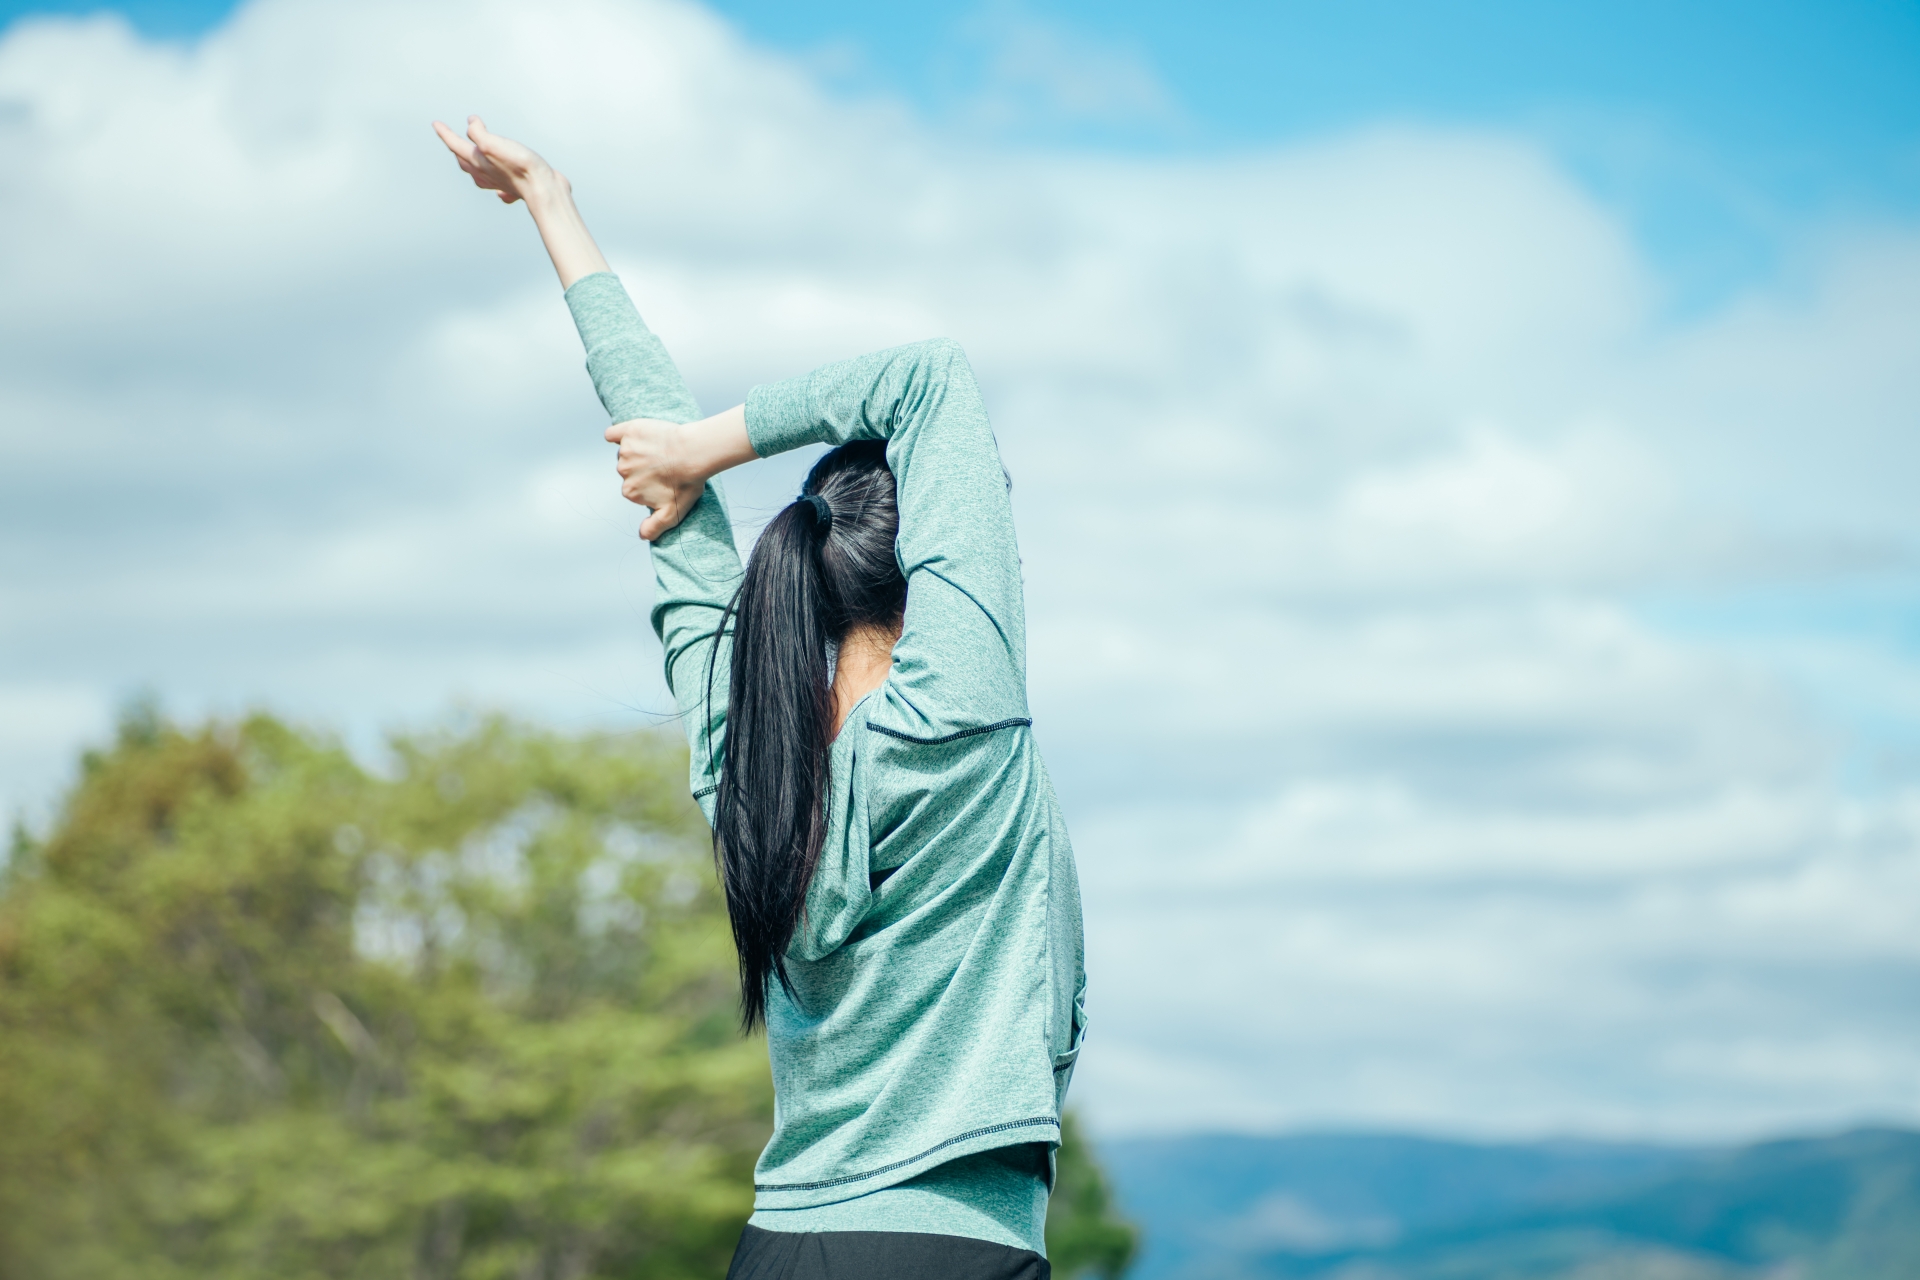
(264, 1013)
(1085, 1234)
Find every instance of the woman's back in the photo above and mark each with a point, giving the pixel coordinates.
(933, 1012)
(899, 881)
(936, 1015)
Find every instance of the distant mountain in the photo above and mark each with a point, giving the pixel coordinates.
(1377, 1207)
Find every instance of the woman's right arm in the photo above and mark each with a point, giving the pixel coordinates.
(960, 665)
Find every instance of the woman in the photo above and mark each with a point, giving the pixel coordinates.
(901, 887)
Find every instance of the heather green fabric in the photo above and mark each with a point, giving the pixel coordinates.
(939, 1015)
(998, 1195)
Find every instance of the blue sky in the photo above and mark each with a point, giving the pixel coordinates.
(1463, 454)
(1728, 136)
(1720, 128)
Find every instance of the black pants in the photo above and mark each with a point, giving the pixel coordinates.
(878, 1255)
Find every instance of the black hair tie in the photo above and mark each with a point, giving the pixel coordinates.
(822, 513)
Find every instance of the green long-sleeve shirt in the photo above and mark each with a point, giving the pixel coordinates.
(938, 1015)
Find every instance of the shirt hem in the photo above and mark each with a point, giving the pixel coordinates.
(810, 1194)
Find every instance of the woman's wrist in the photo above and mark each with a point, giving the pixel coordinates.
(546, 190)
(720, 443)
(549, 198)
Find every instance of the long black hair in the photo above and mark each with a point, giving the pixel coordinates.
(823, 566)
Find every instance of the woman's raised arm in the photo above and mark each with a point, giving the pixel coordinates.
(667, 452)
(514, 171)
(960, 665)
(665, 458)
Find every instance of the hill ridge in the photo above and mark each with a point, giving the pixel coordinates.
(1391, 1206)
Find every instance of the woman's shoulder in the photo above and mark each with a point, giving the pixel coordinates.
(899, 717)
(926, 783)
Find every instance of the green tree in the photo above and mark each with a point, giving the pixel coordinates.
(266, 1014)
(1085, 1234)
(262, 1014)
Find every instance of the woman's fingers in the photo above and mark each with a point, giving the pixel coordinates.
(461, 148)
(667, 505)
(489, 144)
(474, 163)
(649, 474)
(662, 519)
(465, 152)
(660, 516)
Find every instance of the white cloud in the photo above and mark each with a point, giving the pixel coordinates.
(1038, 69)
(1345, 471)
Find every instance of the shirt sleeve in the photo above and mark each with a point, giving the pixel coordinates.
(696, 569)
(960, 665)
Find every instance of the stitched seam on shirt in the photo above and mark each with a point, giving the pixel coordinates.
(971, 599)
(1021, 721)
(901, 1164)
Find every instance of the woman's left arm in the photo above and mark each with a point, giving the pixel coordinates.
(666, 457)
(516, 172)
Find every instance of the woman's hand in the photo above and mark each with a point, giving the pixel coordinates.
(500, 165)
(515, 172)
(665, 465)
(657, 471)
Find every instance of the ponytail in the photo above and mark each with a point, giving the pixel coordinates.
(823, 566)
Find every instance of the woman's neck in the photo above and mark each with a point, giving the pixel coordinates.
(864, 658)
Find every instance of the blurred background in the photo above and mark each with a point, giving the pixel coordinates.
(1465, 459)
